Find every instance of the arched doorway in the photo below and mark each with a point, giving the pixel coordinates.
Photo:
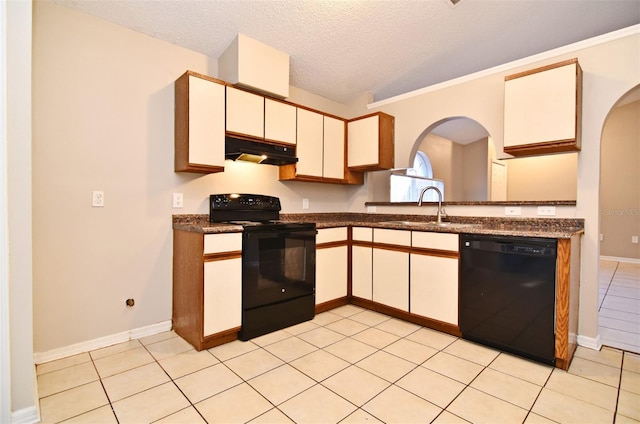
(619, 279)
(459, 153)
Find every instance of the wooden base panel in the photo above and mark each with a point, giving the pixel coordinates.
(220, 338)
(210, 341)
(444, 327)
(331, 304)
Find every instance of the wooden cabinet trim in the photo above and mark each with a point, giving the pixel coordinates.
(567, 284)
(541, 69)
(435, 252)
(393, 247)
(212, 257)
(553, 146)
(188, 286)
(330, 244)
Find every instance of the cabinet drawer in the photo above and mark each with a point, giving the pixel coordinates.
(397, 237)
(362, 234)
(440, 241)
(218, 243)
(328, 235)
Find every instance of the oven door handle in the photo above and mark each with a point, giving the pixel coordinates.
(280, 234)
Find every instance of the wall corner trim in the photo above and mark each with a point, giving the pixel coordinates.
(590, 342)
(25, 416)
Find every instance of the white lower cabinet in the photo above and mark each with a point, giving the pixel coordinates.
(362, 262)
(391, 268)
(331, 273)
(222, 295)
(362, 272)
(332, 264)
(434, 288)
(391, 278)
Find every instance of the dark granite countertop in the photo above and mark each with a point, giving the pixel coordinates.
(482, 203)
(525, 227)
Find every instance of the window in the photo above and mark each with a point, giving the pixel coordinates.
(406, 184)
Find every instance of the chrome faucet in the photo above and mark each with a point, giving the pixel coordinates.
(424, 190)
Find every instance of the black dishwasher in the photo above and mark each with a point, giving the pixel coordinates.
(507, 294)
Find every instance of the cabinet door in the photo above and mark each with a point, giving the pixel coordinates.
(391, 278)
(334, 149)
(279, 121)
(542, 110)
(363, 142)
(199, 124)
(370, 142)
(331, 273)
(434, 288)
(222, 295)
(362, 272)
(245, 113)
(309, 148)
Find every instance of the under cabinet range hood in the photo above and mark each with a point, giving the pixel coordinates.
(257, 152)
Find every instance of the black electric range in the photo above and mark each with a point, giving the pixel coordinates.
(278, 262)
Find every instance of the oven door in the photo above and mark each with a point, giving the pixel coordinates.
(278, 264)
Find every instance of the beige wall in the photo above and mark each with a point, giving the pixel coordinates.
(620, 183)
(103, 120)
(549, 177)
(611, 68)
(447, 163)
(476, 170)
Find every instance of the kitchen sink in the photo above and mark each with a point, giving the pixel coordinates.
(430, 224)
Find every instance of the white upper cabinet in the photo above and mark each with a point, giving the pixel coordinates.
(199, 123)
(245, 113)
(542, 110)
(279, 121)
(333, 148)
(370, 142)
(309, 143)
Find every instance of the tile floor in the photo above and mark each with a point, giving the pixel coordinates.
(348, 365)
(619, 312)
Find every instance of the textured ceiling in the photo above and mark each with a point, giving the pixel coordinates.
(342, 49)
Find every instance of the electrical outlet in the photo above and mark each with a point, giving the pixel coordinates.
(305, 203)
(97, 199)
(512, 210)
(547, 210)
(371, 209)
(634, 239)
(177, 200)
(601, 237)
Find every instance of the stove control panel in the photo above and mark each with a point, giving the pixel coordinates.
(244, 202)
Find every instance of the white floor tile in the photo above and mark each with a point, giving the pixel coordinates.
(353, 365)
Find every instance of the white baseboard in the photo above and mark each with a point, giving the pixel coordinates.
(89, 345)
(590, 342)
(25, 416)
(625, 260)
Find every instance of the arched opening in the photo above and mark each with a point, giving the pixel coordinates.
(454, 154)
(620, 225)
